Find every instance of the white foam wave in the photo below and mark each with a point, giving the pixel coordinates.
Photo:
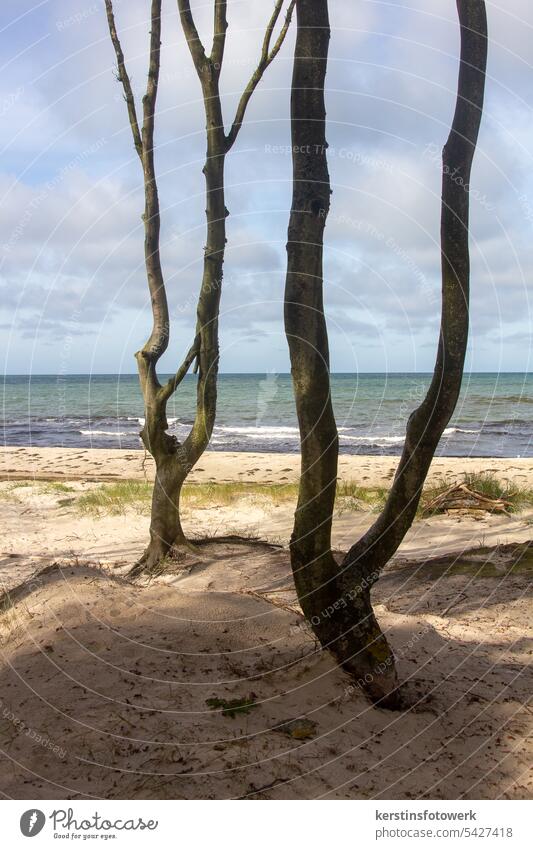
(141, 420)
(449, 431)
(273, 432)
(374, 440)
(260, 432)
(106, 433)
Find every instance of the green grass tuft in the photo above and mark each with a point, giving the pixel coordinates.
(122, 496)
(486, 484)
(116, 498)
(54, 486)
(351, 495)
(213, 494)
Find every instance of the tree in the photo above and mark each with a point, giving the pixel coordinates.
(174, 460)
(336, 597)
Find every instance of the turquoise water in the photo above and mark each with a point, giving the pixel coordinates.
(494, 417)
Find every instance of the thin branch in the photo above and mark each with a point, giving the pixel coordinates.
(270, 29)
(426, 424)
(196, 47)
(149, 99)
(170, 387)
(124, 79)
(144, 145)
(158, 341)
(219, 36)
(267, 56)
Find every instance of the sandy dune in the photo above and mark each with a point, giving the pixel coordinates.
(104, 684)
(116, 678)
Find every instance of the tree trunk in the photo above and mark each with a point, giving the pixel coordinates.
(316, 571)
(166, 534)
(336, 599)
(174, 461)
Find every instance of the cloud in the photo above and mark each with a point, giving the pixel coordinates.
(70, 220)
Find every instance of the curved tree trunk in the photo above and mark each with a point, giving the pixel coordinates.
(166, 533)
(312, 561)
(173, 460)
(336, 599)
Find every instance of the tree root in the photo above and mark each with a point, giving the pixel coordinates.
(157, 559)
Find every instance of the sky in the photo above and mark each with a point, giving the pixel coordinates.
(72, 281)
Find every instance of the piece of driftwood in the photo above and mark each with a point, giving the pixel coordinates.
(460, 497)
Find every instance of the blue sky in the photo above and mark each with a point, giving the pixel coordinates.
(71, 246)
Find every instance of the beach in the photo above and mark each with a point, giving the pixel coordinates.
(123, 675)
(94, 464)
(44, 523)
(266, 461)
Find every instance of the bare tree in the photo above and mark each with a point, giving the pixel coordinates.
(174, 460)
(336, 597)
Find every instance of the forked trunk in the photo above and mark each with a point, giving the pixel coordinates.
(344, 624)
(174, 461)
(336, 598)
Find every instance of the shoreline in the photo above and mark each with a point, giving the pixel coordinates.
(110, 464)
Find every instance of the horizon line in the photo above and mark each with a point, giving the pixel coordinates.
(243, 373)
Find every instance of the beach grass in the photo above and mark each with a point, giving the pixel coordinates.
(116, 498)
(119, 497)
(57, 486)
(212, 494)
(124, 496)
(486, 484)
(350, 495)
(14, 490)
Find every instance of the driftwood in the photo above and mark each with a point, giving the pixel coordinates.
(460, 497)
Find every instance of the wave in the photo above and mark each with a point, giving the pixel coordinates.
(374, 440)
(449, 431)
(281, 432)
(264, 432)
(106, 433)
(141, 420)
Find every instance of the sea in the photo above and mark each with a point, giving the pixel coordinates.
(256, 412)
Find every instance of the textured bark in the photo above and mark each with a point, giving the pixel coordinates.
(174, 460)
(313, 564)
(336, 599)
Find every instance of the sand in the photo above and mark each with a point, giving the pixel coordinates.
(93, 464)
(103, 684)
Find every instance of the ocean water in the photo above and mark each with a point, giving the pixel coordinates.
(494, 417)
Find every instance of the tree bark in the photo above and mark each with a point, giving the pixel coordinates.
(173, 460)
(336, 599)
(313, 564)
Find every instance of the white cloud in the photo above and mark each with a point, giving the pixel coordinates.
(71, 234)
